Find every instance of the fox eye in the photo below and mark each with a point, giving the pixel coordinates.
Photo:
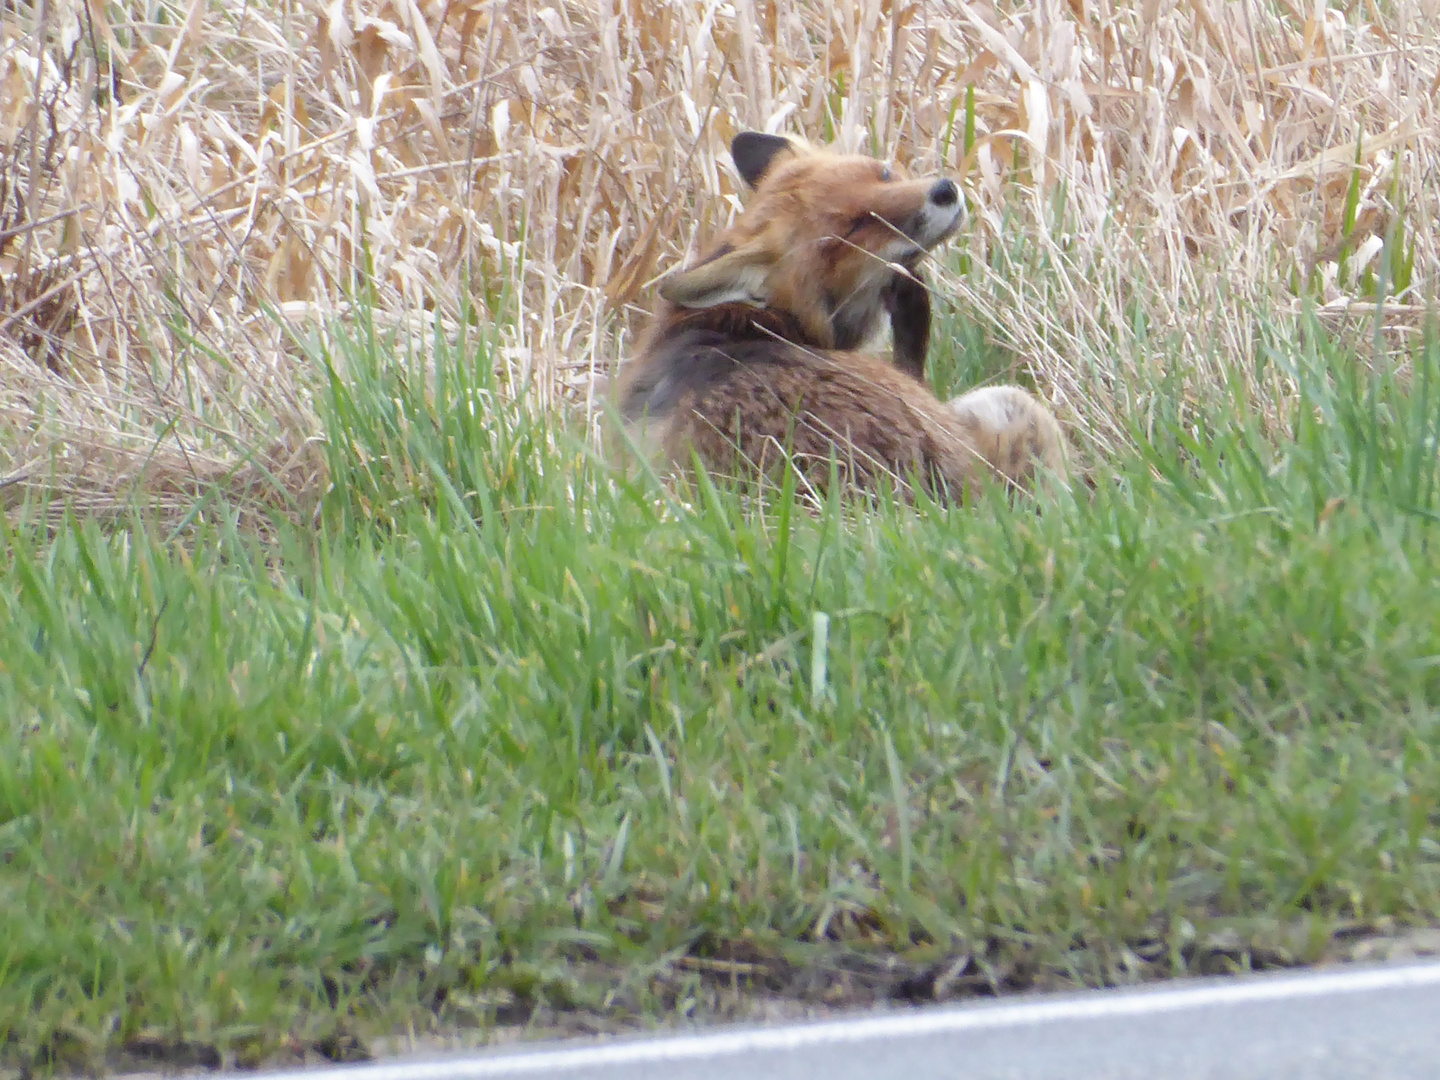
(869, 217)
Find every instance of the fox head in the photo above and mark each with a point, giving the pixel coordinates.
(820, 239)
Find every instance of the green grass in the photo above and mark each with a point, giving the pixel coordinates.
(507, 736)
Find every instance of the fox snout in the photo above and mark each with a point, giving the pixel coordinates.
(938, 218)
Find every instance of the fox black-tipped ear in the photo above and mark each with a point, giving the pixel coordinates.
(754, 152)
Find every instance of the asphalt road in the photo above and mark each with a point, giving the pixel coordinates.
(1345, 1024)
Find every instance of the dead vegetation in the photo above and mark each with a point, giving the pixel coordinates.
(183, 185)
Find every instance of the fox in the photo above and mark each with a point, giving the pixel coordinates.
(753, 356)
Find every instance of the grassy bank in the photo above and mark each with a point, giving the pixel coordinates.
(504, 738)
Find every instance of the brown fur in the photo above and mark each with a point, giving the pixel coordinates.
(752, 350)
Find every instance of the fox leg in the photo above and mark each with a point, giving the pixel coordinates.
(907, 300)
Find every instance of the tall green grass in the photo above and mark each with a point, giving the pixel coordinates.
(507, 734)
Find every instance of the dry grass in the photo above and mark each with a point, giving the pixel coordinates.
(184, 185)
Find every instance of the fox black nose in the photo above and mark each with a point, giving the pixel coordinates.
(944, 193)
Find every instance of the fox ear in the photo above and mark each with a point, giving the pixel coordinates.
(754, 153)
(733, 277)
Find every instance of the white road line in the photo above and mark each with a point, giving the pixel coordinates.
(1091, 1005)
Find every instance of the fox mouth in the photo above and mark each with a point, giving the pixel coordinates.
(927, 231)
(932, 226)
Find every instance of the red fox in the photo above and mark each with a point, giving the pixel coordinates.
(751, 352)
